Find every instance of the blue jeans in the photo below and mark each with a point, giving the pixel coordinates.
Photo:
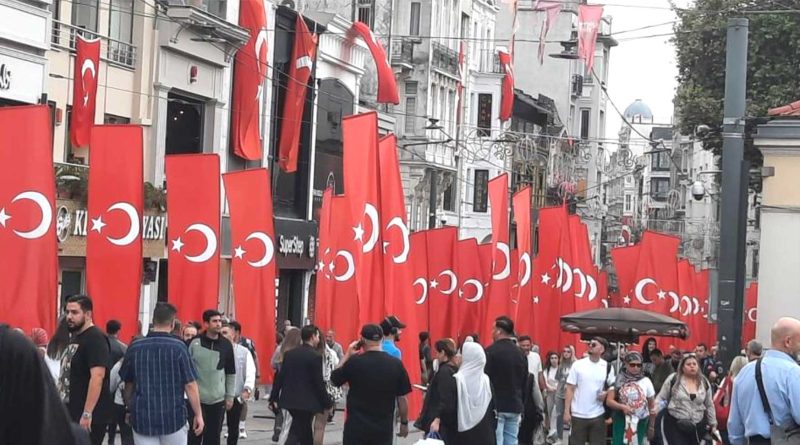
(507, 428)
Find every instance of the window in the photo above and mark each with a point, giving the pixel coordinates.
(84, 14)
(411, 107)
(628, 203)
(629, 180)
(659, 188)
(754, 270)
(414, 26)
(584, 124)
(484, 115)
(120, 25)
(365, 12)
(661, 161)
(448, 197)
(480, 198)
(113, 119)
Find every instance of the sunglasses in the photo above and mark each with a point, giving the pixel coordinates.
(635, 365)
(594, 344)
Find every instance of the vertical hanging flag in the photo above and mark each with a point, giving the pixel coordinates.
(114, 238)
(462, 80)
(29, 265)
(551, 10)
(249, 75)
(589, 17)
(507, 93)
(304, 54)
(253, 242)
(471, 289)
(522, 216)
(549, 277)
(585, 277)
(387, 84)
(750, 313)
(420, 283)
(84, 89)
(656, 272)
(323, 293)
(500, 287)
(625, 260)
(362, 187)
(443, 284)
(193, 233)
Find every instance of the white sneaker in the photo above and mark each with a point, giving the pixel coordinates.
(225, 436)
(242, 433)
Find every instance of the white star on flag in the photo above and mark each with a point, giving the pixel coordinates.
(434, 284)
(331, 266)
(545, 278)
(661, 294)
(321, 265)
(460, 293)
(98, 224)
(535, 300)
(359, 232)
(3, 217)
(627, 299)
(239, 252)
(177, 245)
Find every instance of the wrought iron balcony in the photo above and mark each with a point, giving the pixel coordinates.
(488, 62)
(445, 59)
(402, 51)
(111, 50)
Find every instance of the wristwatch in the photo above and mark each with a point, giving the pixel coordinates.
(404, 422)
(86, 415)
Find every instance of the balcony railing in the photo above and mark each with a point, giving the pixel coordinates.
(112, 50)
(488, 61)
(402, 51)
(445, 59)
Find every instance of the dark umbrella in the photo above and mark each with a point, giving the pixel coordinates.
(623, 324)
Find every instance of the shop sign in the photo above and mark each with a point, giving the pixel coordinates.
(297, 243)
(154, 227)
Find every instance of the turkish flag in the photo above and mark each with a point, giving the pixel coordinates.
(29, 271)
(114, 241)
(362, 187)
(303, 55)
(418, 257)
(249, 75)
(551, 10)
(387, 84)
(443, 284)
(507, 96)
(500, 302)
(471, 289)
(602, 288)
(750, 313)
(249, 195)
(656, 272)
(685, 305)
(84, 89)
(323, 290)
(193, 233)
(550, 277)
(486, 254)
(589, 17)
(707, 330)
(625, 260)
(522, 216)
(585, 274)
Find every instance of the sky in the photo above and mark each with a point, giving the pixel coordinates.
(641, 68)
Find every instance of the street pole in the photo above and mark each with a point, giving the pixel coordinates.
(733, 195)
(432, 202)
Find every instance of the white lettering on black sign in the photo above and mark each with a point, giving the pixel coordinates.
(291, 246)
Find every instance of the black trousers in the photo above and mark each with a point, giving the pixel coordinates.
(125, 432)
(212, 416)
(592, 431)
(301, 431)
(232, 420)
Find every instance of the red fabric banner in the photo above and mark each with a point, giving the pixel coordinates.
(589, 17)
(418, 257)
(523, 290)
(114, 238)
(551, 10)
(304, 54)
(471, 289)
(500, 288)
(625, 261)
(485, 253)
(750, 313)
(387, 84)
(656, 273)
(362, 186)
(462, 80)
(685, 306)
(507, 97)
(193, 232)
(249, 195)
(549, 278)
(249, 75)
(84, 89)
(585, 288)
(323, 290)
(443, 284)
(29, 271)
(707, 331)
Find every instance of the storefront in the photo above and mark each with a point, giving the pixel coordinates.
(24, 38)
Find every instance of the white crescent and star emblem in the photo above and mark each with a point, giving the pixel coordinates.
(45, 208)
(564, 275)
(372, 213)
(398, 222)
(269, 249)
(696, 303)
(88, 65)
(752, 314)
(478, 290)
(453, 281)
(525, 260)
(638, 292)
(688, 301)
(424, 283)
(506, 272)
(133, 226)
(582, 279)
(211, 243)
(351, 266)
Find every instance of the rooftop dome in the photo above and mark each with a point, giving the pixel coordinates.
(638, 112)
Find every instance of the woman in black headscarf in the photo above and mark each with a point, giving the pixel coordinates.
(32, 411)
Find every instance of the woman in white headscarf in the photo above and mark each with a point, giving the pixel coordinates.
(472, 397)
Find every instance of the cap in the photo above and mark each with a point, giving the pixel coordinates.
(372, 332)
(391, 322)
(602, 341)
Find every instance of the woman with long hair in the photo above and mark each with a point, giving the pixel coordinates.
(550, 376)
(329, 362)
(647, 365)
(55, 349)
(631, 398)
(439, 409)
(689, 413)
(290, 341)
(567, 359)
(722, 398)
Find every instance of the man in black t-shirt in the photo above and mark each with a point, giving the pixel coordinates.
(83, 383)
(377, 381)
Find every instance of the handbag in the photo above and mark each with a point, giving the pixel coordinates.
(720, 408)
(430, 439)
(779, 434)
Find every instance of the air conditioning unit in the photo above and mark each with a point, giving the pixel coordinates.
(577, 84)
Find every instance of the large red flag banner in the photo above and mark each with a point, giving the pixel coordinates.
(507, 96)
(387, 84)
(193, 232)
(500, 288)
(584, 291)
(323, 290)
(253, 242)
(551, 10)
(656, 273)
(750, 313)
(114, 241)
(249, 74)
(589, 17)
(443, 284)
(625, 260)
(471, 289)
(549, 278)
(418, 257)
(29, 271)
(362, 187)
(84, 89)
(303, 55)
(522, 216)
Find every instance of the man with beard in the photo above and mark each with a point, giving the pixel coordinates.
(392, 326)
(83, 384)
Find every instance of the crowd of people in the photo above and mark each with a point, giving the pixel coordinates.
(182, 383)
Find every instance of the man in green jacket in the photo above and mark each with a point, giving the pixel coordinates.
(213, 358)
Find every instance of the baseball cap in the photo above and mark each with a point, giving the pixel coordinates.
(372, 332)
(391, 322)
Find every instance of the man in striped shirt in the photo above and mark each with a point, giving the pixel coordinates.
(157, 370)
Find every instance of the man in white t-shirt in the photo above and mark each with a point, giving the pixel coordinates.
(587, 385)
(533, 358)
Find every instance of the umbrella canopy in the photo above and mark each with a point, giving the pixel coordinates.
(621, 324)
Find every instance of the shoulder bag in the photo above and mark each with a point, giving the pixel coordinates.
(779, 434)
